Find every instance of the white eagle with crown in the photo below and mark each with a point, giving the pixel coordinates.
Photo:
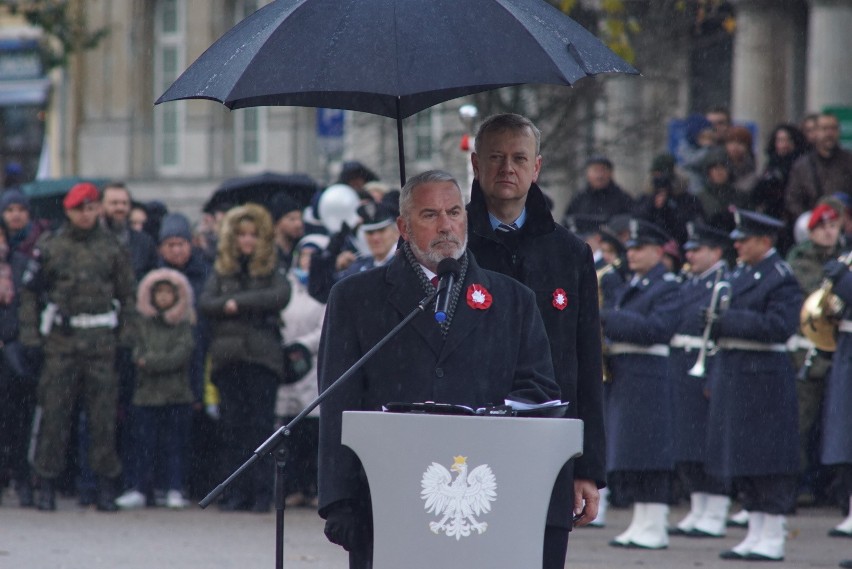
(458, 501)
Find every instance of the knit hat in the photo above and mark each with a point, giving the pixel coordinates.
(739, 134)
(693, 125)
(281, 205)
(599, 159)
(80, 194)
(314, 240)
(13, 196)
(663, 163)
(175, 225)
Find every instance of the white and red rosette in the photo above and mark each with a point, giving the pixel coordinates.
(478, 297)
(560, 299)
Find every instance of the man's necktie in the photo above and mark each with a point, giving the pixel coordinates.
(435, 281)
(507, 227)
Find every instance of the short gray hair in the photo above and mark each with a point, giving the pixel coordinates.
(507, 121)
(406, 195)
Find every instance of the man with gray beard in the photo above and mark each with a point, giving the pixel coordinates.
(491, 346)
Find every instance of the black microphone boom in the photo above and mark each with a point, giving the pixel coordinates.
(448, 272)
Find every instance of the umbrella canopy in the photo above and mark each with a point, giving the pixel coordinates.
(261, 188)
(46, 195)
(391, 57)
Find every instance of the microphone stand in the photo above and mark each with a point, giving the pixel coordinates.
(274, 444)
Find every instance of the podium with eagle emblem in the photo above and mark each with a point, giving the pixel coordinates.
(459, 491)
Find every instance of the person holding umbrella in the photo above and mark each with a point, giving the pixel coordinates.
(513, 232)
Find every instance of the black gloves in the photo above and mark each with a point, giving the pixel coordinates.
(705, 318)
(297, 362)
(834, 269)
(338, 241)
(344, 527)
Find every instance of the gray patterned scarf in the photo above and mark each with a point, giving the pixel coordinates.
(426, 284)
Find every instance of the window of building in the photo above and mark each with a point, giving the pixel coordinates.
(169, 118)
(423, 135)
(250, 123)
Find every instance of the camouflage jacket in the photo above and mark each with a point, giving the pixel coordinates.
(79, 273)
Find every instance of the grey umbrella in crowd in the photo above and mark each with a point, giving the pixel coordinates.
(392, 58)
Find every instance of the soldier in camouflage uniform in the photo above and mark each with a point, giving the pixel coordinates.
(77, 302)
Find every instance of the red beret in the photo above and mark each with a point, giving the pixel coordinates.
(821, 214)
(80, 194)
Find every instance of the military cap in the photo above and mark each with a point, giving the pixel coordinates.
(80, 194)
(375, 216)
(644, 232)
(608, 236)
(699, 234)
(751, 223)
(584, 224)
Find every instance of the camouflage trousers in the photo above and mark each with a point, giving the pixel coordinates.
(66, 378)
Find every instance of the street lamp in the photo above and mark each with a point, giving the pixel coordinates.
(467, 115)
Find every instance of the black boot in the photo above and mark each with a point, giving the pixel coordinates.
(24, 489)
(107, 493)
(46, 496)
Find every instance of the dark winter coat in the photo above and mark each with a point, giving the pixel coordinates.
(487, 355)
(690, 403)
(638, 400)
(813, 177)
(837, 419)
(753, 421)
(259, 287)
(164, 341)
(197, 270)
(545, 257)
(606, 202)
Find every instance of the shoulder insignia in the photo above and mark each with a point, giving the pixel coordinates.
(784, 268)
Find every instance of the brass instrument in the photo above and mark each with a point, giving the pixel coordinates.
(607, 376)
(821, 314)
(719, 302)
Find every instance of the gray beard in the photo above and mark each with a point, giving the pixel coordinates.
(434, 257)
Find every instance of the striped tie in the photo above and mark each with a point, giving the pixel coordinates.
(507, 227)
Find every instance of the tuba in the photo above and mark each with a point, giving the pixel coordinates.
(821, 314)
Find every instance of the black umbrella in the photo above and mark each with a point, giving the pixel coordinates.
(391, 57)
(261, 188)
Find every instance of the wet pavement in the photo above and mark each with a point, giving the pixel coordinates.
(155, 538)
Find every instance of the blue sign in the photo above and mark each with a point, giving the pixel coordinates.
(330, 123)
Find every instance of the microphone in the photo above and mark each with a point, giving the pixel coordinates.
(448, 272)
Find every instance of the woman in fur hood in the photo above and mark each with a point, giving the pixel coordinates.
(161, 407)
(242, 299)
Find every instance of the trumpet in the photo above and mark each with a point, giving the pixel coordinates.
(607, 375)
(821, 312)
(719, 303)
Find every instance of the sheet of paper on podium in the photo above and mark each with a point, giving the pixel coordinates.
(459, 491)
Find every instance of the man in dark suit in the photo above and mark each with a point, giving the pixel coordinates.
(513, 232)
(753, 419)
(492, 345)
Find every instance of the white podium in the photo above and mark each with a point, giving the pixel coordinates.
(482, 503)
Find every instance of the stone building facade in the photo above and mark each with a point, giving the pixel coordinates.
(787, 60)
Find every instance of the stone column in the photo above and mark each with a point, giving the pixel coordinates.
(829, 82)
(767, 46)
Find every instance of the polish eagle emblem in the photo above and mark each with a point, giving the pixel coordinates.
(458, 502)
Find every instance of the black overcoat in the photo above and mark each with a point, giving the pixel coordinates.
(545, 257)
(753, 421)
(487, 355)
